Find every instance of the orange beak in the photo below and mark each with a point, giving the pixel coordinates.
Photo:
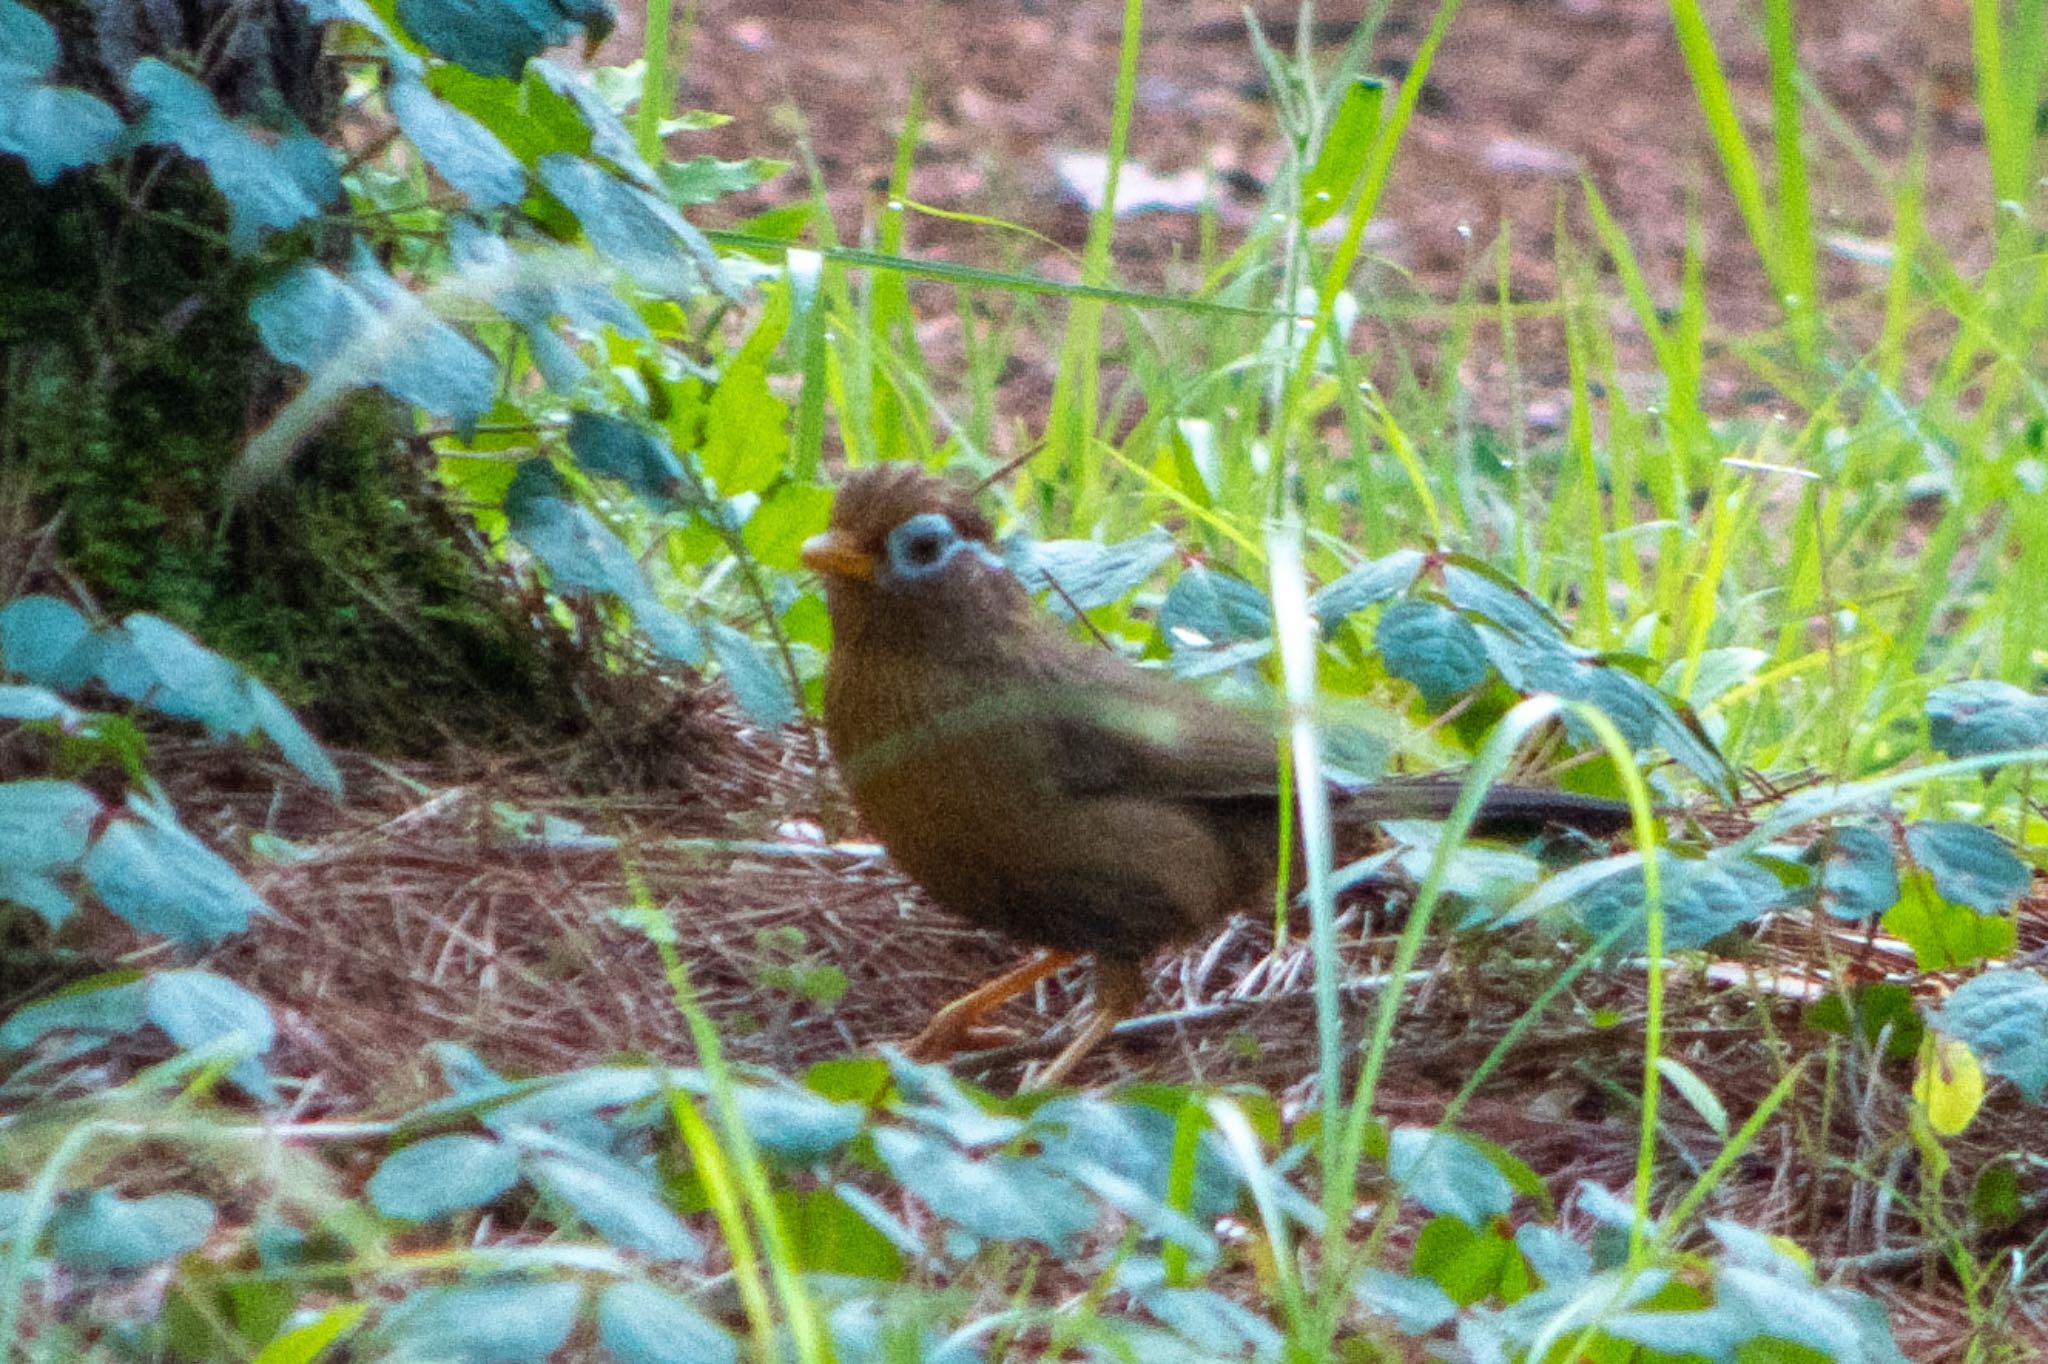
(836, 556)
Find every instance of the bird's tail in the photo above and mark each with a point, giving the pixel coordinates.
(1505, 812)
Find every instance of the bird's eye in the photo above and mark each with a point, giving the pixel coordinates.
(921, 544)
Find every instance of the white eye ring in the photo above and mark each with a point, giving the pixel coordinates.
(922, 545)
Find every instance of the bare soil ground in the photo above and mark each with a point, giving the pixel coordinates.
(1526, 96)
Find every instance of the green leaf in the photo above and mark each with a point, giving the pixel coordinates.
(1220, 1326)
(1876, 1009)
(460, 149)
(1942, 933)
(108, 1005)
(1415, 1304)
(1208, 609)
(45, 825)
(52, 127)
(1696, 1092)
(507, 1322)
(192, 681)
(368, 331)
(1432, 647)
(795, 1125)
(611, 447)
(642, 1324)
(785, 519)
(442, 1175)
(756, 683)
(45, 640)
(645, 237)
(1971, 865)
(269, 183)
(1859, 873)
(1968, 718)
(1703, 899)
(1369, 584)
(198, 1010)
(1467, 1262)
(2002, 1016)
(305, 1344)
(102, 1232)
(1089, 574)
(1996, 1201)
(1001, 1198)
(162, 880)
(42, 895)
(1447, 1174)
(620, 1204)
(581, 552)
(746, 431)
(35, 705)
(703, 179)
(299, 747)
(1342, 158)
(1487, 592)
(497, 39)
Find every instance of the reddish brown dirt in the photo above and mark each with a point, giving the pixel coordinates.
(1525, 95)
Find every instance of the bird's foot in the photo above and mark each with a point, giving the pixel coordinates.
(942, 1041)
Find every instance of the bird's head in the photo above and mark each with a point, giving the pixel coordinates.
(907, 548)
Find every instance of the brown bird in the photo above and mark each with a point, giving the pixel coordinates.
(1046, 788)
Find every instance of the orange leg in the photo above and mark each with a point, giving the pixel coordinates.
(1119, 989)
(953, 1028)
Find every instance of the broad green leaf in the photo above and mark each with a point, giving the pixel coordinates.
(32, 705)
(834, 1236)
(1468, 1262)
(1702, 899)
(192, 681)
(44, 640)
(37, 892)
(756, 683)
(1218, 1326)
(1720, 671)
(746, 431)
(642, 1324)
(270, 183)
(461, 150)
(510, 1321)
(107, 1005)
(1432, 647)
(1000, 1198)
(1447, 1174)
(1208, 609)
(498, 39)
(1368, 584)
(1416, 1304)
(162, 880)
(785, 519)
(620, 1204)
(369, 331)
(645, 237)
(1859, 872)
(581, 552)
(1942, 933)
(442, 1175)
(1485, 591)
(1971, 865)
(1875, 1009)
(704, 179)
(197, 1009)
(299, 747)
(610, 447)
(45, 825)
(1968, 718)
(1088, 574)
(102, 1232)
(2002, 1016)
(795, 1124)
(51, 127)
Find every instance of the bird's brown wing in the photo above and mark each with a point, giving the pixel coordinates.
(1117, 729)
